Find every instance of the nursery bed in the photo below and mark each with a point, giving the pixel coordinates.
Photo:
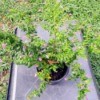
(23, 81)
(4, 80)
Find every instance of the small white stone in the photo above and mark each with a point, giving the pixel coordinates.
(35, 75)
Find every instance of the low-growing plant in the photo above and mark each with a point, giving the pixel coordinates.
(47, 56)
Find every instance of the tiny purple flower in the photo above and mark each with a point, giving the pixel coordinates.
(40, 59)
(1, 61)
(24, 38)
(4, 45)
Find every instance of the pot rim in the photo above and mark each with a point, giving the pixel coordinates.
(59, 80)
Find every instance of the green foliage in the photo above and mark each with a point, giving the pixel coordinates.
(78, 73)
(3, 85)
(51, 15)
(37, 92)
(95, 62)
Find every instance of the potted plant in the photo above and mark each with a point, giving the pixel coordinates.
(53, 58)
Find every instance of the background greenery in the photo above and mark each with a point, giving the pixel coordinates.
(87, 12)
(95, 64)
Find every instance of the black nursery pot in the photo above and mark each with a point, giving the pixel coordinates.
(59, 75)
